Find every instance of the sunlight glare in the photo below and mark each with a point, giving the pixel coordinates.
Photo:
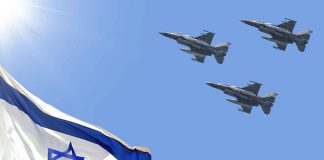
(10, 12)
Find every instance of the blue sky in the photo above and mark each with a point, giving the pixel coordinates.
(105, 63)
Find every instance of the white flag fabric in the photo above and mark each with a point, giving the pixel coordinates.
(30, 129)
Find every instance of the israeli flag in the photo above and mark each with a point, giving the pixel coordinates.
(30, 129)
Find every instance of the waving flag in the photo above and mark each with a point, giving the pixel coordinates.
(30, 129)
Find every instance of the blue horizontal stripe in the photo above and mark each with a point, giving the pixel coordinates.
(118, 150)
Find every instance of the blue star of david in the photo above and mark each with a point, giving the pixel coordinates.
(69, 153)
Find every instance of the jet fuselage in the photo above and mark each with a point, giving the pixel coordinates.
(285, 35)
(288, 36)
(197, 44)
(248, 97)
(191, 42)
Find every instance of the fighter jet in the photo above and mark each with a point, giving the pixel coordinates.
(282, 34)
(200, 46)
(247, 97)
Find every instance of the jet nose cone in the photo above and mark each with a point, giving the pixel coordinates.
(248, 22)
(216, 85)
(169, 35)
(164, 33)
(251, 23)
(210, 84)
(244, 21)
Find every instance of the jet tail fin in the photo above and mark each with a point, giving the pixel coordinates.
(304, 35)
(301, 46)
(223, 49)
(266, 109)
(271, 98)
(220, 58)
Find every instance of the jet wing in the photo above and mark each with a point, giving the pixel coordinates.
(206, 37)
(281, 46)
(289, 25)
(253, 88)
(246, 109)
(199, 58)
(199, 55)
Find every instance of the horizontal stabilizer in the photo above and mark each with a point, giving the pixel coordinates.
(304, 34)
(271, 97)
(222, 46)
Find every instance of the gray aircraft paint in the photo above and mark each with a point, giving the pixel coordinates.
(282, 34)
(247, 97)
(200, 46)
